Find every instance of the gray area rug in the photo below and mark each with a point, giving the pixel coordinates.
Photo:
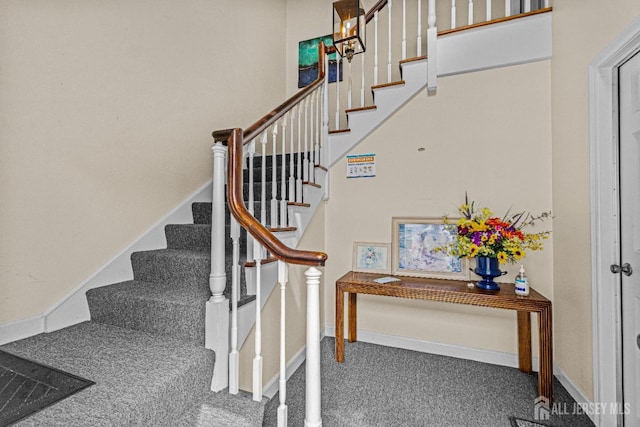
(27, 387)
(380, 386)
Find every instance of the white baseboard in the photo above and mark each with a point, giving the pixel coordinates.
(460, 352)
(574, 391)
(20, 329)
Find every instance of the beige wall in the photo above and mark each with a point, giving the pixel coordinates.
(106, 115)
(581, 29)
(486, 133)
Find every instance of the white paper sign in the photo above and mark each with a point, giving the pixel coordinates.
(361, 166)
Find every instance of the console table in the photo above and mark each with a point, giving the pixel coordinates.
(454, 291)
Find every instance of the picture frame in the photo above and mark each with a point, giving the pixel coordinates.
(371, 257)
(414, 241)
(308, 61)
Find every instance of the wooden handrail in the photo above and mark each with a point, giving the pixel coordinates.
(248, 221)
(375, 8)
(235, 140)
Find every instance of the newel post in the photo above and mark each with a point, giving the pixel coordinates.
(217, 308)
(312, 416)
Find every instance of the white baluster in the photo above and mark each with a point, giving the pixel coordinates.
(292, 179)
(257, 359)
(316, 151)
(325, 118)
(283, 278)
(338, 65)
(546, 3)
(234, 355)
(527, 6)
(217, 307)
(454, 12)
(432, 49)
(263, 182)
(349, 84)
(305, 165)
(419, 38)
(251, 209)
(313, 396)
(362, 80)
(274, 178)
(489, 14)
(404, 29)
(324, 149)
(389, 4)
(299, 174)
(470, 17)
(312, 135)
(283, 174)
(507, 7)
(375, 49)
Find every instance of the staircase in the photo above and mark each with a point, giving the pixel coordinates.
(144, 345)
(148, 344)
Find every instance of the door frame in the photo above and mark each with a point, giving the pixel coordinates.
(605, 228)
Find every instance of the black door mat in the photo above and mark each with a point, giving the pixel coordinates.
(27, 387)
(520, 422)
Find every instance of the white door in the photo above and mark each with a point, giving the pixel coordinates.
(629, 267)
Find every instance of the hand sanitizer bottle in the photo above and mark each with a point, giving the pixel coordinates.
(522, 283)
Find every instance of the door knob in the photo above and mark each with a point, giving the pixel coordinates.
(624, 268)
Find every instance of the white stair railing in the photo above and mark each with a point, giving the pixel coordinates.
(281, 131)
(392, 38)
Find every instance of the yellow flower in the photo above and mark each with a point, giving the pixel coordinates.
(473, 250)
(518, 253)
(502, 257)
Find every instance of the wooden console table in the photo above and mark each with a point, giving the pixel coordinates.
(458, 292)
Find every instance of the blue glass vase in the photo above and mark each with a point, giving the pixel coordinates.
(488, 268)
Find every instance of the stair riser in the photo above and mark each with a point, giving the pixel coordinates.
(151, 266)
(185, 269)
(154, 316)
(202, 212)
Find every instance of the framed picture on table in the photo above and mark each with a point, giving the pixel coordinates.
(417, 249)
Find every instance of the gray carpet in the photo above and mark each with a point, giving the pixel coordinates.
(385, 386)
(138, 377)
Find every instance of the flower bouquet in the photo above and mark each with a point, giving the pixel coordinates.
(481, 234)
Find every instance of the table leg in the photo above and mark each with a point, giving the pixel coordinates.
(524, 342)
(353, 317)
(339, 325)
(545, 375)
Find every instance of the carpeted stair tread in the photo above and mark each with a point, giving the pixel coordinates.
(172, 265)
(223, 409)
(140, 380)
(160, 308)
(197, 237)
